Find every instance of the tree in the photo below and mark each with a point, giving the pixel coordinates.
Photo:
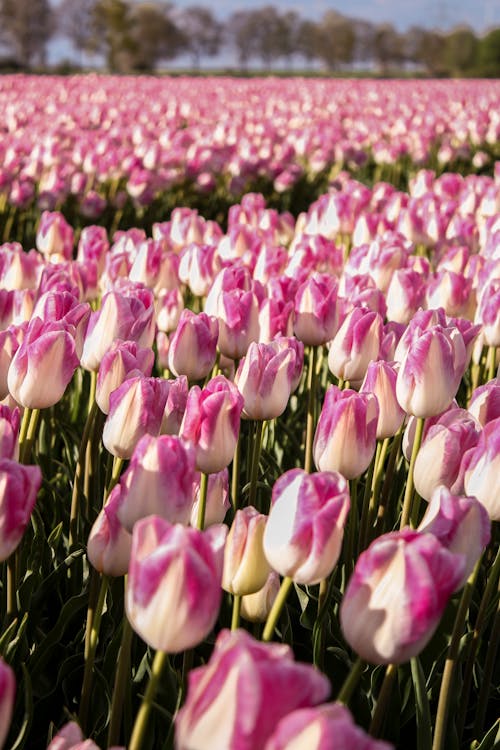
(154, 35)
(242, 32)
(27, 25)
(307, 40)
(461, 50)
(76, 22)
(387, 46)
(201, 31)
(336, 41)
(489, 54)
(112, 30)
(430, 51)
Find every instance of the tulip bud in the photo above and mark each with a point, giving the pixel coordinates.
(221, 712)
(109, 543)
(212, 423)
(327, 726)
(19, 487)
(169, 306)
(380, 379)
(396, 595)
(316, 310)
(7, 695)
(264, 379)
(484, 404)
(217, 503)
(245, 566)
(9, 432)
(135, 409)
(345, 436)
(193, 345)
(481, 469)
(123, 360)
(256, 607)
(438, 460)
(54, 235)
(304, 532)
(405, 295)
(173, 588)
(158, 481)
(460, 523)
(197, 268)
(43, 364)
(70, 737)
(431, 371)
(356, 344)
(488, 312)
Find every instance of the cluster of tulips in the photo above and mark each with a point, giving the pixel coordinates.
(100, 142)
(242, 427)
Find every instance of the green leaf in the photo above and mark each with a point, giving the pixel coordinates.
(424, 724)
(28, 712)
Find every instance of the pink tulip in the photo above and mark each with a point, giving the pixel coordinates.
(316, 310)
(325, 727)
(109, 543)
(304, 532)
(222, 712)
(123, 360)
(212, 423)
(217, 503)
(245, 566)
(54, 235)
(19, 487)
(155, 268)
(9, 432)
(169, 306)
(431, 371)
(193, 345)
(397, 595)
(197, 268)
(460, 523)
(136, 408)
(175, 406)
(264, 379)
(488, 312)
(10, 339)
(256, 607)
(7, 696)
(453, 292)
(93, 245)
(43, 365)
(345, 435)
(173, 588)
(481, 469)
(356, 344)
(380, 379)
(484, 404)
(158, 481)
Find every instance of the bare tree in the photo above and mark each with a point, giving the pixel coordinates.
(27, 26)
(201, 31)
(155, 35)
(76, 22)
(336, 41)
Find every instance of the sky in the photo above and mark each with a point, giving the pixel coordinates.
(441, 14)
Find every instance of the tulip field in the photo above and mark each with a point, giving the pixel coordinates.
(250, 414)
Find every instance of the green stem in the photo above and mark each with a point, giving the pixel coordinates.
(122, 682)
(278, 605)
(492, 362)
(383, 498)
(79, 477)
(12, 585)
(384, 696)
(489, 666)
(141, 722)
(407, 502)
(115, 476)
(352, 527)
(311, 408)
(235, 621)
(447, 689)
(375, 488)
(365, 513)
(203, 501)
(423, 711)
(351, 681)
(28, 438)
(255, 462)
(235, 476)
(90, 650)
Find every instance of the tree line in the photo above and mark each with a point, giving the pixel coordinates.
(145, 36)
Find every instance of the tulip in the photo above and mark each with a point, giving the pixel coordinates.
(7, 696)
(193, 345)
(380, 379)
(19, 487)
(93, 245)
(136, 408)
(9, 432)
(329, 726)
(453, 292)
(197, 268)
(43, 365)
(173, 589)
(460, 523)
(109, 543)
(155, 268)
(275, 319)
(238, 315)
(175, 407)
(158, 481)
(406, 293)
(356, 344)
(304, 532)
(169, 307)
(217, 501)
(484, 404)
(345, 436)
(54, 235)
(256, 607)
(123, 360)
(481, 469)
(488, 312)
(70, 737)
(222, 712)
(431, 371)
(264, 379)
(396, 595)
(212, 422)
(440, 455)
(9, 343)
(245, 566)
(316, 310)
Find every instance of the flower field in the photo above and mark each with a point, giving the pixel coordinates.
(250, 416)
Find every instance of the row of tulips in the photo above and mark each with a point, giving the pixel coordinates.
(113, 148)
(185, 355)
